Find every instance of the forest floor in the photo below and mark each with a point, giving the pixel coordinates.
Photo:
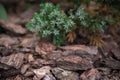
(23, 56)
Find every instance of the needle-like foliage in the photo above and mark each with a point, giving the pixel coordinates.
(51, 21)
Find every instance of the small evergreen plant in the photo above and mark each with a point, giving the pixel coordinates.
(92, 22)
(51, 21)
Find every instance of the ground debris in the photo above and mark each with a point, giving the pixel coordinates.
(92, 74)
(14, 60)
(14, 28)
(62, 74)
(40, 73)
(74, 63)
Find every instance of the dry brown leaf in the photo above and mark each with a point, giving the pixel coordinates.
(71, 36)
(105, 8)
(96, 40)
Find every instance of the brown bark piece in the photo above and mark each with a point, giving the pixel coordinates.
(29, 42)
(111, 63)
(40, 73)
(116, 53)
(62, 74)
(24, 68)
(14, 60)
(92, 50)
(8, 41)
(44, 47)
(14, 28)
(54, 55)
(49, 77)
(74, 63)
(91, 74)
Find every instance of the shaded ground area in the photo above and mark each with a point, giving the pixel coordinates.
(23, 56)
